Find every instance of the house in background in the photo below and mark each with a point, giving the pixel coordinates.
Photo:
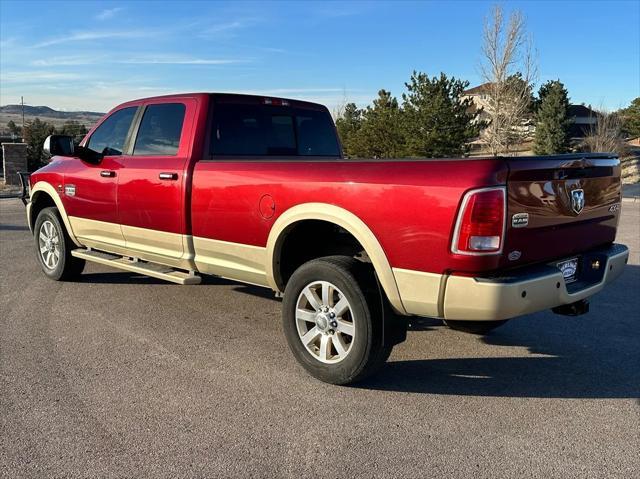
(584, 117)
(584, 121)
(480, 99)
(479, 96)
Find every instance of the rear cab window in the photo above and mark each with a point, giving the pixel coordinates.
(160, 130)
(264, 129)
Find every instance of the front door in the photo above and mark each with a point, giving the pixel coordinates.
(151, 187)
(90, 191)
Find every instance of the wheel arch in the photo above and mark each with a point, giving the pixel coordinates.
(42, 196)
(343, 219)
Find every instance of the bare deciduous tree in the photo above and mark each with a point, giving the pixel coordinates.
(509, 71)
(606, 134)
(338, 109)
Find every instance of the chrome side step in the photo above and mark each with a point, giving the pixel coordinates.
(154, 270)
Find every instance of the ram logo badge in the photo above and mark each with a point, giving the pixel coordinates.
(520, 220)
(577, 201)
(70, 190)
(514, 255)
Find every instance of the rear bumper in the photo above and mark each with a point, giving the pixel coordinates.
(531, 290)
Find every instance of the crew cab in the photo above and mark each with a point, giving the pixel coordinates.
(257, 190)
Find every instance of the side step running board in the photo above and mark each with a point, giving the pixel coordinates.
(148, 269)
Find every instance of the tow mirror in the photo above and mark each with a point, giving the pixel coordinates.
(58, 145)
(88, 155)
(63, 145)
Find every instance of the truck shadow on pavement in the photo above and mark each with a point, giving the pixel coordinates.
(125, 277)
(593, 356)
(5, 227)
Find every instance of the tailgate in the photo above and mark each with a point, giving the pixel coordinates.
(559, 206)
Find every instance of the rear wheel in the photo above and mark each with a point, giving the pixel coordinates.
(332, 319)
(475, 327)
(53, 247)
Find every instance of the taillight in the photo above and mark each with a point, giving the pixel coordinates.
(481, 222)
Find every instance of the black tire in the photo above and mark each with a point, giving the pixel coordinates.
(475, 327)
(356, 282)
(66, 267)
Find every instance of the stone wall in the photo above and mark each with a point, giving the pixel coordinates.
(14, 159)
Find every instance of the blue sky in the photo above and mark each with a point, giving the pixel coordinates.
(94, 55)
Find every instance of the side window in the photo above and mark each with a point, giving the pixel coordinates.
(252, 130)
(110, 136)
(266, 130)
(316, 134)
(160, 129)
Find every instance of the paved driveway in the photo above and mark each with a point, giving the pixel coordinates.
(119, 375)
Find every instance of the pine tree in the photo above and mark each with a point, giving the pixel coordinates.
(552, 119)
(380, 134)
(631, 119)
(73, 128)
(14, 129)
(35, 132)
(437, 121)
(348, 124)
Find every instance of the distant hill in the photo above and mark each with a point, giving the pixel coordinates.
(45, 113)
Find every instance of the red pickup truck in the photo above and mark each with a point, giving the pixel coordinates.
(257, 190)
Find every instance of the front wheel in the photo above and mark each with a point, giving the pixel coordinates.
(53, 247)
(332, 319)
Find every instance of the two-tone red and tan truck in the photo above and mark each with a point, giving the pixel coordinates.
(257, 190)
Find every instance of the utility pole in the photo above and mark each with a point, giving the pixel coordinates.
(22, 103)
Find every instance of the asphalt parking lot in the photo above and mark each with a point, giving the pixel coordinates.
(119, 375)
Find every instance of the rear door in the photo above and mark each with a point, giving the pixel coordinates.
(560, 206)
(91, 190)
(152, 182)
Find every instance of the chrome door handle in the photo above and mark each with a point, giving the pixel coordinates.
(108, 173)
(168, 176)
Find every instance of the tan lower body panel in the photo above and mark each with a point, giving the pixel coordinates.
(419, 291)
(236, 261)
(100, 232)
(150, 245)
(159, 246)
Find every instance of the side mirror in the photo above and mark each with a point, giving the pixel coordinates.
(88, 155)
(58, 145)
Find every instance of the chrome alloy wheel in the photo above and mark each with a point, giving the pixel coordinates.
(325, 322)
(49, 243)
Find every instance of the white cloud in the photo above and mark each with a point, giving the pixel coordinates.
(37, 76)
(92, 35)
(67, 61)
(75, 60)
(295, 91)
(108, 13)
(227, 29)
(181, 61)
(7, 42)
